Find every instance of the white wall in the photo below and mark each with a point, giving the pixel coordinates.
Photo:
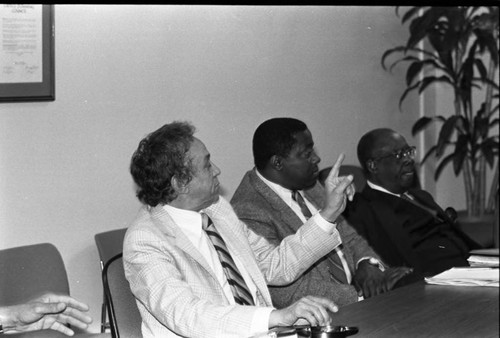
(123, 71)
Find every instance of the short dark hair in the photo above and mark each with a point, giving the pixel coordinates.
(367, 145)
(275, 137)
(160, 156)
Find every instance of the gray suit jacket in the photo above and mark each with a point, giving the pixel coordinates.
(265, 213)
(178, 296)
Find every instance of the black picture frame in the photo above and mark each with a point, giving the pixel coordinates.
(37, 91)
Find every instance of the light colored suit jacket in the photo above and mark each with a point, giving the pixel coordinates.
(177, 295)
(267, 214)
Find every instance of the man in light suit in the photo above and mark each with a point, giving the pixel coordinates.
(187, 286)
(404, 225)
(285, 162)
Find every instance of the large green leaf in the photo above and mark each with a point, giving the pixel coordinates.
(460, 153)
(422, 25)
(445, 134)
(404, 51)
(405, 59)
(407, 90)
(442, 165)
(433, 79)
(481, 68)
(481, 123)
(423, 122)
(489, 148)
(429, 153)
(419, 65)
(410, 13)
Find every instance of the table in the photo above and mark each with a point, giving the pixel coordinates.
(424, 310)
(56, 334)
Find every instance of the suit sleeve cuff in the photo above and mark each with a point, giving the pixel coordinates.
(372, 261)
(324, 224)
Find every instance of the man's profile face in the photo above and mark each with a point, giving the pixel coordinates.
(395, 175)
(300, 168)
(204, 185)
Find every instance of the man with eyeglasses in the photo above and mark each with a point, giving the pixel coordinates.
(404, 225)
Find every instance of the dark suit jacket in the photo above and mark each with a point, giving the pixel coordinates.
(265, 213)
(381, 219)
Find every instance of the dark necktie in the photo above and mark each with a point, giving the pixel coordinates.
(297, 197)
(238, 286)
(410, 199)
(338, 272)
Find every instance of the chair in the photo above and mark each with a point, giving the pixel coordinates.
(30, 271)
(109, 244)
(125, 319)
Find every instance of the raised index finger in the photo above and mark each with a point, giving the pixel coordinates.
(336, 167)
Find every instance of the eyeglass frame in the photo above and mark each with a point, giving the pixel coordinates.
(410, 151)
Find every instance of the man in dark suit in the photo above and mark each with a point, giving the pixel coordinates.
(270, 200)
(405, 226)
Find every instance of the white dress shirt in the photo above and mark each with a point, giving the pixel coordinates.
(190, 222)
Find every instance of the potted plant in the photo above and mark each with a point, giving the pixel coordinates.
(457, 47)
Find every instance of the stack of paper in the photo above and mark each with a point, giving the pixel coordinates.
(467, 277)
(484, 258)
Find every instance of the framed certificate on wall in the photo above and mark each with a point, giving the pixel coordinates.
(26, 53)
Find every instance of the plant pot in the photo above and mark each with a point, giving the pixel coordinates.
(482, 229)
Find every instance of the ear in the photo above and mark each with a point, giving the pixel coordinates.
(371, 165)
(179, 185)
(276, 162)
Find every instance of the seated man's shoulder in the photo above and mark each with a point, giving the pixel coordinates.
(246, 196)
(359, 201)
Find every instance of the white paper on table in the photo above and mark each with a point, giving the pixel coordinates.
(467, 277)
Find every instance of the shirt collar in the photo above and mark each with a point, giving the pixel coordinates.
(379, 188)
(284, 193)
(187, 220)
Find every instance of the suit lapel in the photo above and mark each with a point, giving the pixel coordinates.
(233, 233)
(424, 199)
(172, 232)
(383, 206)
(285, 213)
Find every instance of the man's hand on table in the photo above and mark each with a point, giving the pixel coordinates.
(370, 281)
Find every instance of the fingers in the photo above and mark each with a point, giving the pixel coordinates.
(393, 275)
(336, 167)
(49, 308)
(76, 304)
(56, 326)
(72, 302)
(76, 319)
(344, 185)
(315, 310)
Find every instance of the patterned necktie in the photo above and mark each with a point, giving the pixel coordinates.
(238, 286)
(297, 197)
(338, 273)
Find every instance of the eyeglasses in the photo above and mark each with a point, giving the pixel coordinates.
(409, 152)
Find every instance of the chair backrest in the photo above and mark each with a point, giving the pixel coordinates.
(125, 319)
(29, 271)
(355, 171)
(109, 244)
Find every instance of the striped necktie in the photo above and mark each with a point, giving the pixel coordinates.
(339, 272)
(238, 286)
(297, 197)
